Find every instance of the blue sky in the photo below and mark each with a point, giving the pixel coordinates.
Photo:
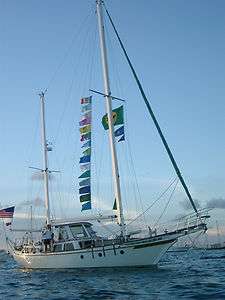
(178, 51)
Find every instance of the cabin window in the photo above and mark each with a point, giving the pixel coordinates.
(69, 247)
(58, 248)
(62, 234)
(77, 231)
(91, 231)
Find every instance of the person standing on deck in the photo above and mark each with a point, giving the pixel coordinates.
(47, 237)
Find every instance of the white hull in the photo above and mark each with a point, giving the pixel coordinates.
(146, 254)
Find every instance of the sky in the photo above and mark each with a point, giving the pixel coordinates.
(178, 50)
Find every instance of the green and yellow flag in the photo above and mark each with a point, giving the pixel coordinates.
(87, 152)
(86, 197)
(117, 115)
(85, 129)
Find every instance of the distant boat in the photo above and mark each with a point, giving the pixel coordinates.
(219, 245)
(75, 243)
(216, 246)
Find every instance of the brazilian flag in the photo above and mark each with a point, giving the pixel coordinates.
(117, 115)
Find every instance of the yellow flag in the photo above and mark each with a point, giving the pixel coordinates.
(85, 129)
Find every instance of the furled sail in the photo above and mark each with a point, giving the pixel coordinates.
(85, 159)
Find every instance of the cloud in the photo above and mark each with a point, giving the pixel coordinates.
(216, 203)
(39, 176)
(186, 204)
(212, 203)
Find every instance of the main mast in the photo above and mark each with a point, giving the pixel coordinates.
(45, 158)
(108, 98)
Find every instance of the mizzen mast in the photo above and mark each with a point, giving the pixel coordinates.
(108, 98)
(45, 158)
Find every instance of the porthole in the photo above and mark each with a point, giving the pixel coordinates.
(81, 256)
(121, 252)
(100, 254)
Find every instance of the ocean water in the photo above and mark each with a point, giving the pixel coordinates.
(186, 275)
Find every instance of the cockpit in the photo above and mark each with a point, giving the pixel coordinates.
(74, 235)
(77, 231)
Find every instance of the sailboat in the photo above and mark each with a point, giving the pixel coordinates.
(77, 245)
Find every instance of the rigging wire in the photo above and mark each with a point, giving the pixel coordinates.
(165, 208)
(88, 76)
(69, 97)
(67, 52)
(195, 238)
(30, 187)
(157, 199)
(75, 70)
(58, 180)
(136, 191)
(106, 227)
(134, 172)
(176, 168)
(115, 80)
(98, 172)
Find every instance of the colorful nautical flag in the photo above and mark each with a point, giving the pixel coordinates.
(87, 152)
(119, 131)
(86, 197)
(85, 174)
(85, 100)
(86, 115)
(85, 167)
(85, 182)
(122, 138)
(117, 115)
(87, 144)
(86, 206)
(85, 190)
(85, 121)
(7, 212)
(86, 108)
(85, 129)
(85, 137)
(85, 159)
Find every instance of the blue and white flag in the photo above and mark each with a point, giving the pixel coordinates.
(86, 108)
(85, 190)
(87, 144)
(122, 138)
(119, 131)
(85, 182)
(85, 159)
(86, 206)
